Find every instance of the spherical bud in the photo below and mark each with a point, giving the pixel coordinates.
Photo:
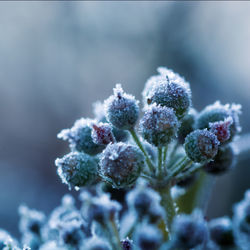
(77, 169)
(102, 134)
(102, 209)
(121, 164)
(187, 125)
(189, 231)
(159, 125)
(122, 110)
(127, 244)
(31, 220)
(221, 129)
(141, 199)
(221, 232)
(79, 137)
(148, 237)
(164, 73)
(119, 134)
(218, 112)
(173, 94)
(223, 161)
(201, 145)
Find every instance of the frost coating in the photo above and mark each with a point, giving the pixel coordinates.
(170, 91)
(222, 129)
(159, 125)
(98, 109)
(79, 137)
(97, 243)
(189, 230)
(164, 73)
(102, 134)
(122, 110)
(121, 164)
(218, 112)
(201, 145)
(77, 169)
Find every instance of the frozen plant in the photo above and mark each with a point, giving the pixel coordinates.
(138, 184)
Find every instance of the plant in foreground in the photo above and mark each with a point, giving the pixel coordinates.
(155, 166)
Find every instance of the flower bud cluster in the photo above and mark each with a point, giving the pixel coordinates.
(151, 172)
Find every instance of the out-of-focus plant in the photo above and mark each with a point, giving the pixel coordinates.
(162, 168)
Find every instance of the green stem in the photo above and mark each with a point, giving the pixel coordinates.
(160, 161)
(180, 166)
(169, 206)
(174, 150)
(115, 235)
(165, 152)
(139, 144)
(188, 201)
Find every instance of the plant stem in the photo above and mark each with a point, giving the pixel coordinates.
(160, 161)
(139, 144)
(115, 235)
(169, 206)
(165, 152)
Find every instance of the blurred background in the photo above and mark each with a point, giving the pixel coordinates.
(57, 58)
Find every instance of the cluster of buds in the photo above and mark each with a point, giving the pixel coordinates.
(172, 148)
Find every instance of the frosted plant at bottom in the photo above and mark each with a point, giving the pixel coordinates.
(141, 181)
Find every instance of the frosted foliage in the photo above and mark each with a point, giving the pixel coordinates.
(201, 145)
(121, 164)
(121, 109)
(77, 169)
(159, 125)
(222, 129)
(102, 134)
(79, 137)
(164, 73)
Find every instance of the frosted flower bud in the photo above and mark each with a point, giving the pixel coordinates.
(218, 112)
(164, 73)
(201, 145)
(102, 134)
(159, 125)
(122, 110)
(222, 162)
(77, 169)
(141, 199)
(221, 129)
(121, 164)
(173, 94)
(187, 125)
(148, 237)
(4, 235)
(189, 231)
(31, 220)
(102, 209)
(79, 137)
(221, 232)
(119, 134)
